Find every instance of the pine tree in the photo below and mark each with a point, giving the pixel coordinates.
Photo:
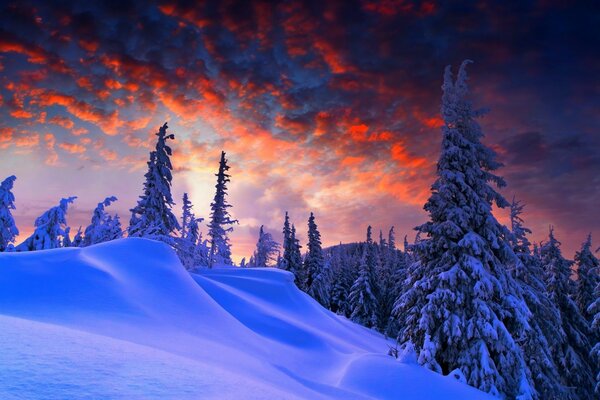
(189, 245)
(266, 249)
(594, 309)
(103, 227)
(220, 221)
(78, 238)
(587, 278)
(575, 350)
(50, 228)
(392, 239)
(295, 261)
(186, 216)
(541, 342)
(285, 262)
(462, 306)
(316, 272)
(363, 294)
(8, 229)
(153, 217)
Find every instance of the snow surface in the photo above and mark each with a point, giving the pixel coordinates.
(124, 320)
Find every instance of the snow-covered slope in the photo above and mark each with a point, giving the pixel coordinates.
(124, 320)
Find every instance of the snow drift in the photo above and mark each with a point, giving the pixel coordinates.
(124, 319)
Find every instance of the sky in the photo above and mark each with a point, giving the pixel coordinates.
(324, 106)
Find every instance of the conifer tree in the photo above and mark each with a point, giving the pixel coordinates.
(316, 274)
(8, 229)
(363, 294)
(50, 228)
(153, 217)
(587, 278)
(220, 220)
(186, 216)
(189, 245)
(542, 342)
(575, 350)
(462, 306)
(285, 262)
(103, 226)
(594, 309)
(392, 239)
(78, 238)
(266, 249)
(295, 261)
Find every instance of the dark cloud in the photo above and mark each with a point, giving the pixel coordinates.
(341, 89)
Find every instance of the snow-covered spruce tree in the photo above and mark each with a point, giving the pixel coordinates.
(189, 244)
(462, 306)
(8, 229)
(363, 294)
(542, 343)
(78, 238)
(220, 220)
(295, 265)
(285, 261)
(50, 228)
(103, 226)
(153, 217)
(594, 309)
(587, 278)
(575, 350)
(316, 272)
(266, 251)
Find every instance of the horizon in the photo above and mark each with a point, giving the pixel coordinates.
(313, 115)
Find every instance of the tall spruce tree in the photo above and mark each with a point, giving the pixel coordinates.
(594, 309)
(317, 278)
(575, 350)
(587, 278)
(295, 261)
(8, 229)
(103, 226)
(542, 343)
(285, 262)
(462, 305)
(153, 217)
(50, 229)
(220, 220)
(363, 294)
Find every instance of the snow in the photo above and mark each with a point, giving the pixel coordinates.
(123, 319)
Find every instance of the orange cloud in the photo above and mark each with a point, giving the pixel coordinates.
(62, 121)
(72, 148)
(22, 114)
(405, 159)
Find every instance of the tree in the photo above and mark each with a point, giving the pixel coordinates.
(587, 278)
(8, 229)
(220, 220)
(462, 306)
(543, 340)
(50, 228)
(574, 352)
(594, 309)
(266, 249)
(295, 261)
(103, 226)
(316, 274)
(363, 294)
(392, 239)
(153, 217)
(286, 260)
(189, 246)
